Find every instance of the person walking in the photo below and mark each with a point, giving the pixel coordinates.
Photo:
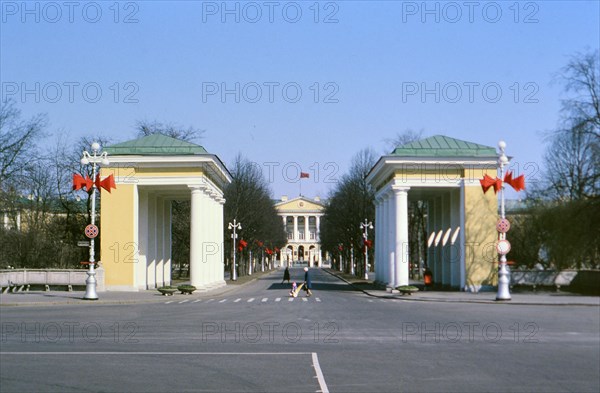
(307, 282)
(286, 275)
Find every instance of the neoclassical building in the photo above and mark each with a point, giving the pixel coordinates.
(301, 218)
(150, 173)
(461, 219)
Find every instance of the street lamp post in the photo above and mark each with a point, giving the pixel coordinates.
(366, 226)
(95, 158)
(234, 226)
(503, 272)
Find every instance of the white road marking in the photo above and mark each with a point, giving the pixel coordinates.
(277, 299)
(155, 353)
(370, 300)
(304, 299)
(184, 301)
(209, 300)
(317, 299)
(169, 302)
(291, 299)
(265, 299)
(222, 301)
(197, 300)
(237, 300)
(319, 373)
(250, 300)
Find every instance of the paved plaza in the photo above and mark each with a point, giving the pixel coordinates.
(253, 338)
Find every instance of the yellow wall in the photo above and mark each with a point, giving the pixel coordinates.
(481, 214)
(118, 247)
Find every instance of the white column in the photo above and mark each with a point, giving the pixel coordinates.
(160, 247)
(437, 271)
(318, 228)
(152, 243)
(142, 242)
(295, 237)
(402, 256)
(209, 246)
(220, 228)
(197, 236)
(378, 233)
(306, 229)
(462, 245)
(391, 239)
(167, 242)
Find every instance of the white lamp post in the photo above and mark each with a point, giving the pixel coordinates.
(95, 158)
(234, 226)
(503, 272)
(366, 226)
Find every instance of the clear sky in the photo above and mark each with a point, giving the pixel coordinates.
(297, 84)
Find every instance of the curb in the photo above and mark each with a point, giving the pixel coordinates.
(78, 301)
(407, 299)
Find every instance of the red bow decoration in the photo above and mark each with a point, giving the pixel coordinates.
(259, 243)
(269, 251)
(340, 247)
(517, 183)
(276, 249)
(242, 244)
(107, 183)
(368, 243)
(80, 182)
(488, 182)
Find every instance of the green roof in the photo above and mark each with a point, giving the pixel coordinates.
(155, 144)
(444, 146)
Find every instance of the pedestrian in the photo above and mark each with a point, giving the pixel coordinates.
(286, 275)
(307, 282)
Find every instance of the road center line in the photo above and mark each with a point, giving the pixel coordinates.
(319, 373)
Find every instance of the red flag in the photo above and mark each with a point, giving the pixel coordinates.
(243, 243)
(304, 175)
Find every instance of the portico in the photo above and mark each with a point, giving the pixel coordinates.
(301, 218)
(445, 173)
(150, 173)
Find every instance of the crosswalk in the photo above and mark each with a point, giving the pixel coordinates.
(263, 300)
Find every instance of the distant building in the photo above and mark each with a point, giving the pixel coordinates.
(301, 218)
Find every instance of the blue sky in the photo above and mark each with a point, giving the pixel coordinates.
(315, 81)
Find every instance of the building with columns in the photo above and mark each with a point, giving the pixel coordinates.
(461, 219)
(301, 218)
(135, 244)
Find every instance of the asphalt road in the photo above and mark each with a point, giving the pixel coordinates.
(254, 339)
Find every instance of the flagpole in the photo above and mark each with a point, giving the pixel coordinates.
(300, 185)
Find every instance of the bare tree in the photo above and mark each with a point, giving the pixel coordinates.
(18, 140)
(581, 80)
(403, 138)
(573, 155)
(145, 128)
(349, 204)
(248, 201)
